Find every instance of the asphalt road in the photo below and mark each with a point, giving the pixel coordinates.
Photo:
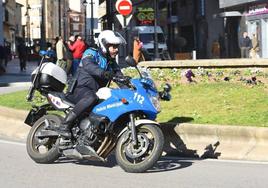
(18, 170)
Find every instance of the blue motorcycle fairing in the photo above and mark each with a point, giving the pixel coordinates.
(137, 100)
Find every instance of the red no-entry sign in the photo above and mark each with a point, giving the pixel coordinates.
(124, 7)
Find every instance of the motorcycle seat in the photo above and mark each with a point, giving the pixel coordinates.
(62, 96)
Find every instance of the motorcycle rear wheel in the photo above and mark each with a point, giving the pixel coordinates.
(43, 150)
(137, 159)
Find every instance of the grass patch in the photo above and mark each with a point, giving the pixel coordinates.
(217, 103)
(221, 103)
(15, 100)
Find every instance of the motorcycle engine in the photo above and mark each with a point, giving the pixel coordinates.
(88, 134)
(90, 131)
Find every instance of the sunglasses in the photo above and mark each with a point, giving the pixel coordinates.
(115, 45)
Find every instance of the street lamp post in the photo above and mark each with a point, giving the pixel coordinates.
(66, 23)
(43, 26)
(59, 12)
(85, 16)
(156, 53)
(28, 23)
(92, 25)
(85, 3)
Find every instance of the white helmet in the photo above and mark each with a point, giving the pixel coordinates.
(107, 37)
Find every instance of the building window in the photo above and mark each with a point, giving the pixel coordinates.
(76, 18)
(6, 16)
(76, 27)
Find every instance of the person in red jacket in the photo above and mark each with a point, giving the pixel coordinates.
(77, 48)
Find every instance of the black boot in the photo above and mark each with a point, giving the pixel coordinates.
(66, 125)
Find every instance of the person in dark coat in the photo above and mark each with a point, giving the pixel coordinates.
(2, 58)
(245, 45)
(22, 53)
(7, 54)
(97, 67)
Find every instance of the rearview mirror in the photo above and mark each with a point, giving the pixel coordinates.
(165, 95)
(48, 53)
(167, 87)
(131, 61)
(42, 52)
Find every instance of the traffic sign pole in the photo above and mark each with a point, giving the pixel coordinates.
(124, 8)
(126, 32)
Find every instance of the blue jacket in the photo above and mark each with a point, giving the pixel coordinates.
(91, 69)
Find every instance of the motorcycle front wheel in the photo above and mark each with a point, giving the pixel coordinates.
(142, 156)
(43, 150)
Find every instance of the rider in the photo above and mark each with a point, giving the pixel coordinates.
(97, 67)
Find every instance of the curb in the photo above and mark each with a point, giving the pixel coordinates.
(214, 141)
(12, 124)
(181, 140)
(207, 63)
(15, 84)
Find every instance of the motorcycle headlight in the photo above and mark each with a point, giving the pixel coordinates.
(156, 103)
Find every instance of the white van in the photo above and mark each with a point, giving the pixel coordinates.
(146, 35)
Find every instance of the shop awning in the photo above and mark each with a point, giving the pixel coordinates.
(228, 14)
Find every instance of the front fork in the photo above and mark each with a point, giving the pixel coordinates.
(132, 128)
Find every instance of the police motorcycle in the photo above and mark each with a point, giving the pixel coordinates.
(122, 121)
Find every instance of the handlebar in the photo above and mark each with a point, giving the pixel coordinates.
(123, 81)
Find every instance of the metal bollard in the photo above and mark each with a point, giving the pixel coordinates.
(194, 55)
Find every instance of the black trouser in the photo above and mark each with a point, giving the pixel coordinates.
(84, 99)
(22, 63)
(245, 52)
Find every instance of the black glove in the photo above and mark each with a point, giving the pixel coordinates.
(108, 75)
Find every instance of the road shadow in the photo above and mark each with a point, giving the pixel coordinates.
(111, 161)
(210, 151)
(180, 120)
(165, 164)
(175, 146)
(162, 165)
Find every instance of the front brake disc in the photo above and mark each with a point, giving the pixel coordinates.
(139, 149)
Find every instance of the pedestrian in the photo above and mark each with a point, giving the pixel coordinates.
(221, 41)
(215, 49)
(254, 52)
(7, 54)
(51, 49)
(72, 39)
(64, 56)
(22, 53)
(77, 48)
(137, 50)
(2, 57)
(96, 69)
(245, 45)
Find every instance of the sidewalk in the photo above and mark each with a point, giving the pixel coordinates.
(14, 76)
(14, 79)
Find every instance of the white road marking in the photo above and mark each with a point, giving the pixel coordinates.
(12, 142)
(218, 160)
